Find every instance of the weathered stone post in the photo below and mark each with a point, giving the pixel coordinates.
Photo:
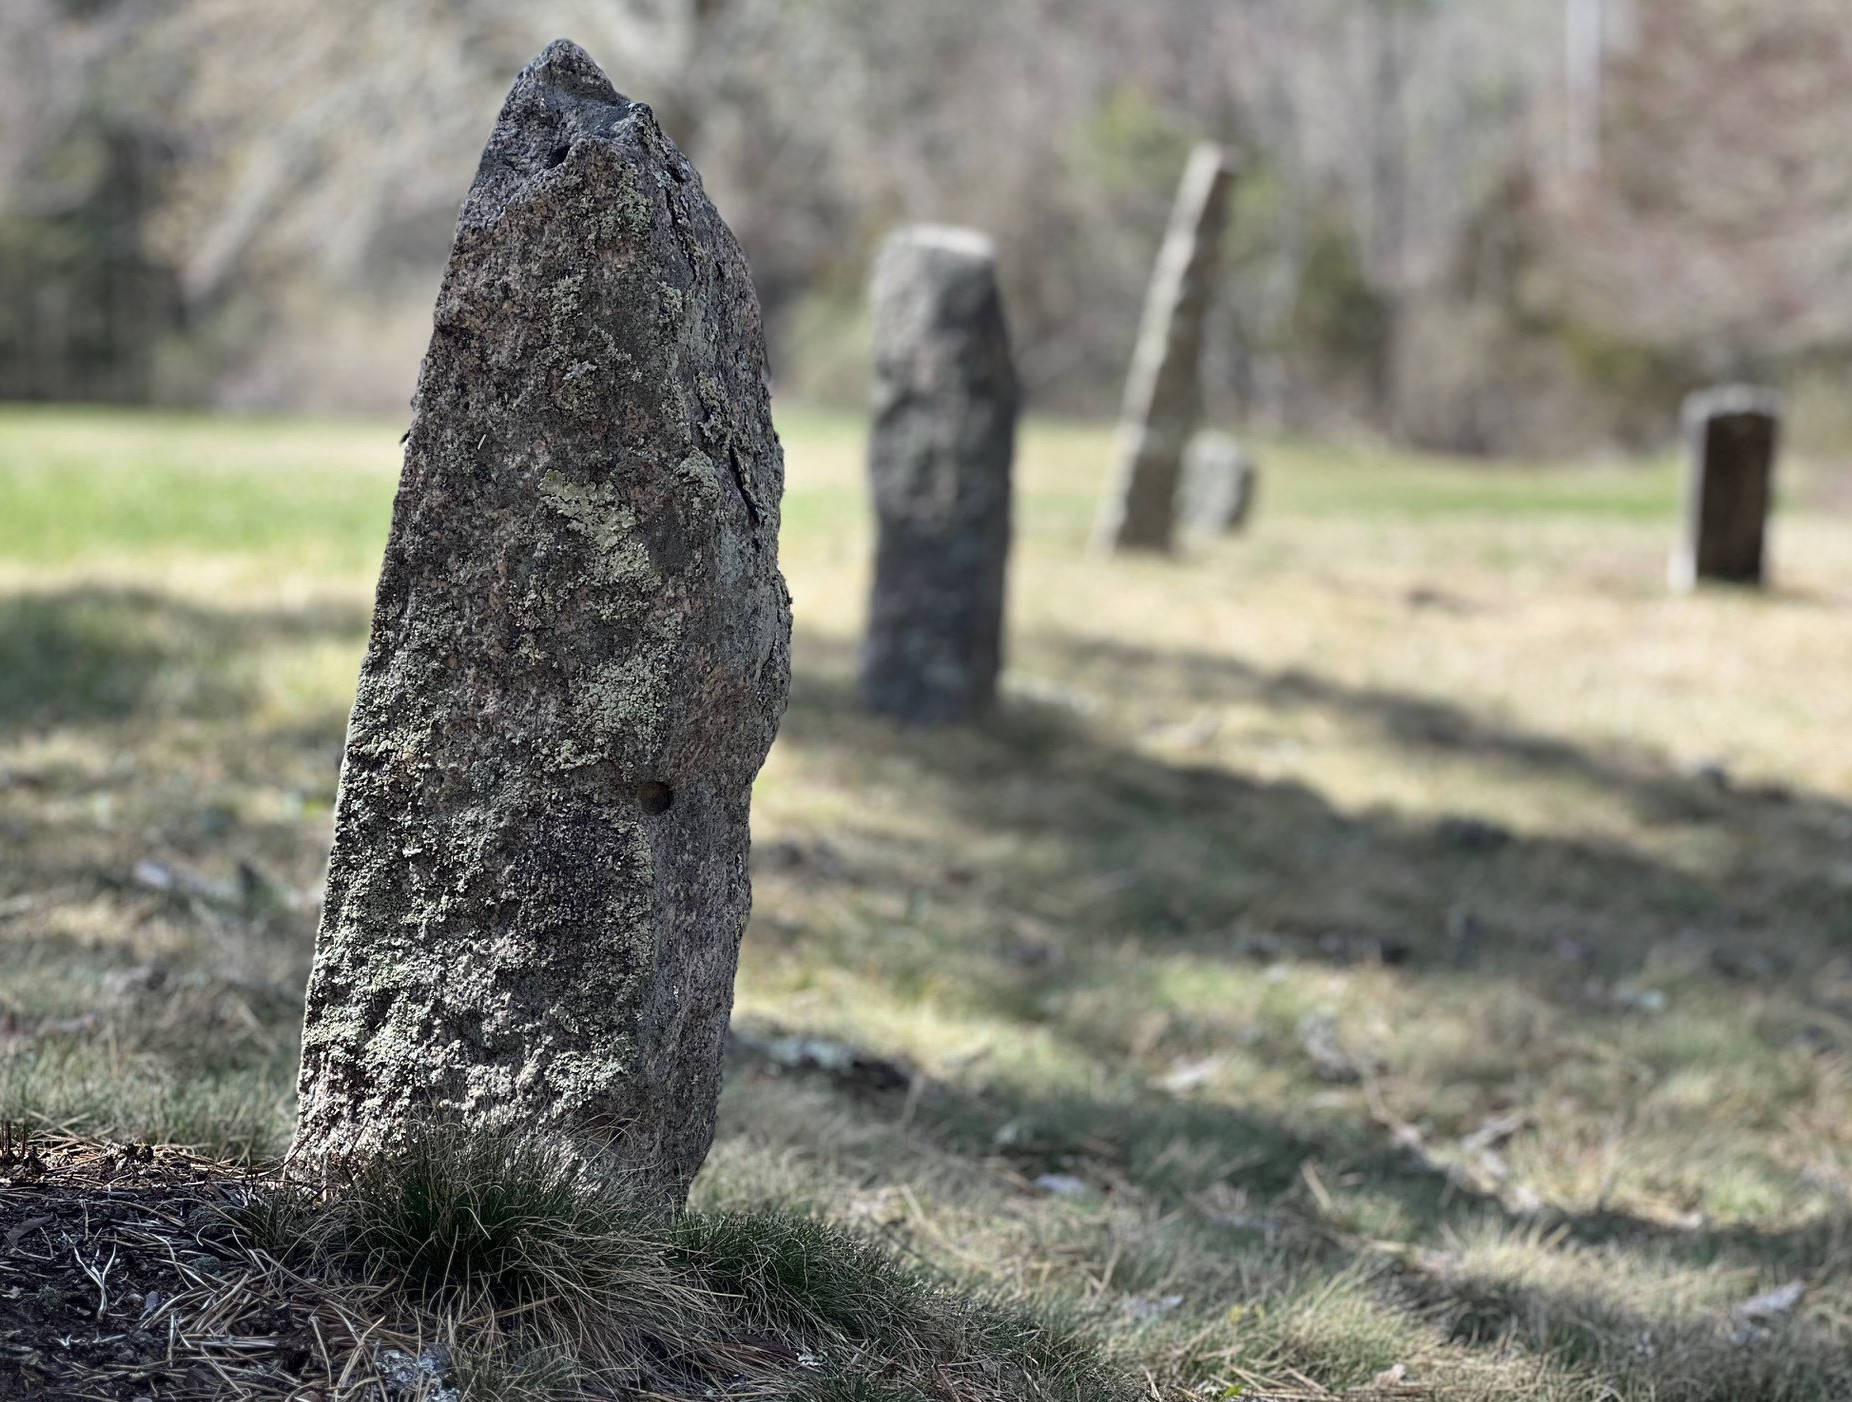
(1219, 479)
(944, 436)
(1731, 433)
(579, 655)
(1163, 392)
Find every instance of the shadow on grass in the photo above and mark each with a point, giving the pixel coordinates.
(1423, 725)
(97, 655)
(1115, 843)
(1238, 1181)
(181, 835)
(1110, 846)
(1177, 1149)
(1181, 1151)
(1650, 1340)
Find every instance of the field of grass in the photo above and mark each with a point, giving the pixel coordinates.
(1401, 951)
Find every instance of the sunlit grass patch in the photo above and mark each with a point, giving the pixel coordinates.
(91, 486)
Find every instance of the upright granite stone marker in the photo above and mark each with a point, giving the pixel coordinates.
(1218, 484)
(944, 437)
(1163, 393)
(579, 655)
(1732, 433)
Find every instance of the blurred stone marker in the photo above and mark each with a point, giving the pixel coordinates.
(945, 401)
(1218, 484)
(1163, 393)
(1732, 434)
(579, 655)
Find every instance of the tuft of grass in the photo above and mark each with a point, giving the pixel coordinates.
(513, 1215)
(804, 1275)
(553, 1279)
(511, 1225)
(804, 1278)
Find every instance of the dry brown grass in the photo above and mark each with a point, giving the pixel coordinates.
(1410, 938)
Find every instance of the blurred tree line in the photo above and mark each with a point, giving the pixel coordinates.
(1482, 225)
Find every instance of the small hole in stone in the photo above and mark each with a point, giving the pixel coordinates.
(655, 797)
(558, 154)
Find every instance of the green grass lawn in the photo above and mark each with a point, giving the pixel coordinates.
(1400, 951)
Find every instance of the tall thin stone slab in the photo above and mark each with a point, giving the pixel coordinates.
(1163, 393)
(579, 656)
(944, 437)
(1732, 434)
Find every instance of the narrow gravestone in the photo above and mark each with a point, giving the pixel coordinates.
(1163, 392)
(944, 437)
(1219, 479)
(579, 655)
(1732, 434)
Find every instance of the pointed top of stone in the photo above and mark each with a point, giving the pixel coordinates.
(560, 99)
(567, 68)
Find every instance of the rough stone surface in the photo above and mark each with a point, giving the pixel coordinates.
(945, 434)
(1218, 484)
(1732, 433)
(580, 652)
(1163, 392)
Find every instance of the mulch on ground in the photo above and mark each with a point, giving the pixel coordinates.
(122, 1276)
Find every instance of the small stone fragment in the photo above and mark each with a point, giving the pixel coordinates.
(940, 463)
(1219, 480)
(1772, 1304)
